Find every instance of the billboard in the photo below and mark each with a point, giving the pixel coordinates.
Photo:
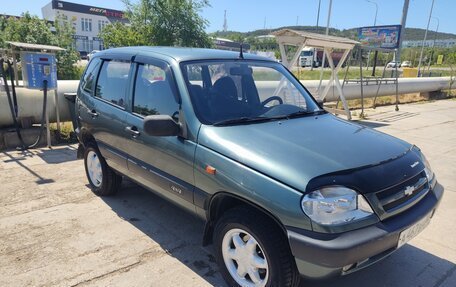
(383, 37)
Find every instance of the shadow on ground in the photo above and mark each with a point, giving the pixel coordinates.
(409, 266)
(18, 158)
(180, 235)
(175, 230)
(59, 155)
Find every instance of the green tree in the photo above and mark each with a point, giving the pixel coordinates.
(66, 60)
(27, 29)
(33, 30)
(118, 35)
(161, 23)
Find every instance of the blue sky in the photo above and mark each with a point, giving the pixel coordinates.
(247, 15)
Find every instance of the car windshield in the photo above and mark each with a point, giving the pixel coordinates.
(241, 91)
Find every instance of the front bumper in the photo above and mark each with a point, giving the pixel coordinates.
(320, 255)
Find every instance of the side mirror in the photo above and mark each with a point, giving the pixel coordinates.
(320, 102)
(161, 126)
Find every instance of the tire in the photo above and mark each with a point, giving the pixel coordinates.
(271, 250)
(102, 179)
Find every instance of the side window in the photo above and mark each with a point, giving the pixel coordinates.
(90, 74)
(153, 93)
(113, 81)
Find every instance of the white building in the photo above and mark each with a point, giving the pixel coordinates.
(87, 20)
(446, 43)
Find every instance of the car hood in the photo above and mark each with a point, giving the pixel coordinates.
(296, 150)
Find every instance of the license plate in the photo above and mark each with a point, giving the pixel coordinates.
(413, 231)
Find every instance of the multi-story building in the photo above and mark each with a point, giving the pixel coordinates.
(88, 21)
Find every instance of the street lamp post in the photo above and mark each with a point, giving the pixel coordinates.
(424, 39)
(376, 10)
(324, 52)
(375, 23)
(433, 45)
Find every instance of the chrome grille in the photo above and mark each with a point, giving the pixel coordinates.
(403, 194)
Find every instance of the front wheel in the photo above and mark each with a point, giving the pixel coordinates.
(103, 180)
(251, 251)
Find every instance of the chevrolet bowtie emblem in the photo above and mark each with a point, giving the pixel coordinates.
(409, 190)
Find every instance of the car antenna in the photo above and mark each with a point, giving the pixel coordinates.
(241, 54)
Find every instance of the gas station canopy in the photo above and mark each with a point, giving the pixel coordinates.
(295, 38)
(301, 39)
(36, 47)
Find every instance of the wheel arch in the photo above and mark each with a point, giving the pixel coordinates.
(224, 201)
(86, 137)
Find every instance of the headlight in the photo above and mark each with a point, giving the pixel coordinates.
(427, 169)
(335, 205)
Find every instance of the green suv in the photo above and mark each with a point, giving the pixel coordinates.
(285, 189)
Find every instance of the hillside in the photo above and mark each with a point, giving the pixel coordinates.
(409, 35)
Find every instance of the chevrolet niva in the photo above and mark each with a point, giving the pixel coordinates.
(285, 189)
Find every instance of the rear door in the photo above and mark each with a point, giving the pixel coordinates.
(164, 164)
(85, 102)
(109, 113)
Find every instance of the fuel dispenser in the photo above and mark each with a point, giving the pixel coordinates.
(39, 72)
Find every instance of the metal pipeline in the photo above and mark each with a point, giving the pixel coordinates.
(30, 100)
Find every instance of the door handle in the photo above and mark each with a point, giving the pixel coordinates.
(93, 113)
(133, 131)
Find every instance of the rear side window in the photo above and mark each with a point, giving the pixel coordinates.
(153, 92)
(90, 75)
(113, 82)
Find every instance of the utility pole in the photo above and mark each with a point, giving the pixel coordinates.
(318, 13)
(403, 21)
(424, 39)
(225, 24)
(433, 45)
(297, 20)
(376, 52)
(324, 52)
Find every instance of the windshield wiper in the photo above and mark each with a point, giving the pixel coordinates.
(242, 120)
(304, 113)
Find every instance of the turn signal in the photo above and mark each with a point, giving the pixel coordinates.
(210, 169)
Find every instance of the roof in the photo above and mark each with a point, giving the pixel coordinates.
(295, 37)
(28, 46)
(180, 54)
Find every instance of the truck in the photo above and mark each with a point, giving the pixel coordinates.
(312, 56)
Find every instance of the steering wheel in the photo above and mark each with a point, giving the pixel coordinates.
(273, 98)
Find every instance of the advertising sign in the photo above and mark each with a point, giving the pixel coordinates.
(68, 6)
(383, 37)
(439, 59)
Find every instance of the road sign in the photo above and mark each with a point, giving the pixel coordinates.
(384, 37)
(439, 59)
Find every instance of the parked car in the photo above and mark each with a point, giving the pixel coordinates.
(83, 55)
(393, 64)
(406, 64)
(90, 55)
(285, 189)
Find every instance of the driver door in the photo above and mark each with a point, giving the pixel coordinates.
(164, 164)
